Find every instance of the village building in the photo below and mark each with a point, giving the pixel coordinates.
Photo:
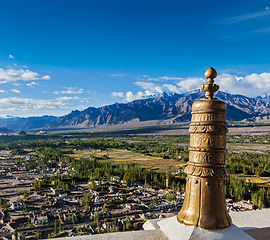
(67, 216)
(40, 218)
(56, 191)
(115, 179)
(1, 217)
(59, 201)
(108, 225)
(146, 215)
(244, 204)
(63, 195)
(17, 206)
(111, 189)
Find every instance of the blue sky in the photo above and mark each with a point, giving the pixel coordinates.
(57, 56)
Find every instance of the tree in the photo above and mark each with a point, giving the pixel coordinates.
(98, 227)
(128, 225)
(60, 227)
(37, 235)
(5, 211)
(105, 210)
(96, 217)
(35, 185)
(124, 198)
(22, 237)
(26, 207)
(55, 226)
(73, 218)
(15, 234)
(156, 200)
(145, 184)
(25, 195)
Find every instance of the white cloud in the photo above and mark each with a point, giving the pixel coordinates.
(31, 84)
(152, 79)
(10, 56)
(164, 78)
(71, 90)
(150, 90)
(13, 75)
(189, 84)
(46, 77)
(170, 78)
(150, 86)
(21, 104)
(251, 85)
(91, 92)
(117, 94)
(15, 90)
(117, 75)
(131, 97)
(2, 91)
(2, 115)
(67, 98)
(172, 88)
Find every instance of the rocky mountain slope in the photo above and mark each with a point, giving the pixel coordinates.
(264, 96)
(175, 107)
(5, 131)
(172, 108)
(17, 124)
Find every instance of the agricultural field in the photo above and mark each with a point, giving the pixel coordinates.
(257, 180)
(117, 156)
(261, 148)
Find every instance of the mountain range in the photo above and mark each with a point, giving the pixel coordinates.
(169, 108)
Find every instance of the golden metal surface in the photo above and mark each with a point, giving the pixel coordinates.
(204, 204)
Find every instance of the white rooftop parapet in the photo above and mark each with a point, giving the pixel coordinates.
(177, 231)
(255, 223)
(252, 219)
(134, 235)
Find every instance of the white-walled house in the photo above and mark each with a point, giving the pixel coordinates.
(17, 206)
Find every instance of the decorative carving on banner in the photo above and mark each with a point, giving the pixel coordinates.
(207, 157)
(206, 172)
(199, 117)
(208, 129)
(213, 141)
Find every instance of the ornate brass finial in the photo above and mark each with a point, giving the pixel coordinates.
(210, 87)
(210, 73)
(204, 204)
